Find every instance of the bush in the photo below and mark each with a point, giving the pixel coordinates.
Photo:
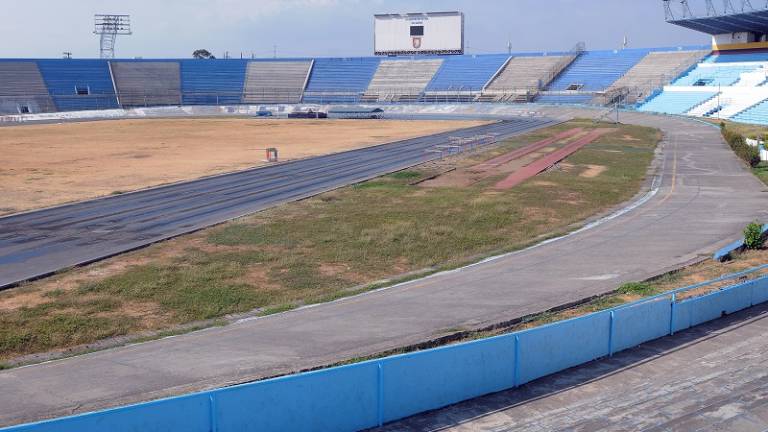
(749, 154)
(753, 236)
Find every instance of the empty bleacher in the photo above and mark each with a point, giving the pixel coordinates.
(524, 76)
(147, 83)
(401, 80)
(677, 102)
(591, 72)
(22, 89)
(654, 71)
(212, 81)
(78, 85)
(461, 78)
(757, 114)
(710, 74)
(276, 81)
(340, 80)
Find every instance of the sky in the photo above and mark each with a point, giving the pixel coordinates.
(296, 28)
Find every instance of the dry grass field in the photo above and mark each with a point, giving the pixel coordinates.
(336, 244)
(45, 165)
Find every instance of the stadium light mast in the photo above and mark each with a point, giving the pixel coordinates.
(668, 15)
(686, 9)
(108, 27)
(711, 11)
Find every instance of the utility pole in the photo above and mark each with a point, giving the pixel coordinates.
(274, 51)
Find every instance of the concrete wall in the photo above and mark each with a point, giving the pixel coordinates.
(363, 395)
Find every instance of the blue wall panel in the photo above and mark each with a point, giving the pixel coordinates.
(759, 291)
(683, 311)
(655, 317)
(339, 399)
(185, 413)
(432, 379)
(556, 347)
(713, 306)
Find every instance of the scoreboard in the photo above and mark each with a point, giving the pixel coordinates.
(419, 33)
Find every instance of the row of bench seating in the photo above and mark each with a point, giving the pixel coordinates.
(723, 85)
(72, 84)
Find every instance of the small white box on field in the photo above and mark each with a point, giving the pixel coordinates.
(418, 33)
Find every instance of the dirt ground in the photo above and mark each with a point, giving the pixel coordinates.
(45, 165)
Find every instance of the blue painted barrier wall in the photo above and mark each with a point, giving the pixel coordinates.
(367, 394)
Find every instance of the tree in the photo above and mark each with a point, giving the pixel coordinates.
(203, 54)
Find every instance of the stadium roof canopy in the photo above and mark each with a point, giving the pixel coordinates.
(756, 21)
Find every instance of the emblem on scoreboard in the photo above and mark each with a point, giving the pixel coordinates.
(416, 42)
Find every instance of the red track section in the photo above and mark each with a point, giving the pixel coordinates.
(540, 165)
(500, 160)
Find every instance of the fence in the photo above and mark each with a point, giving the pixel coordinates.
(44, 103)
(367, 394)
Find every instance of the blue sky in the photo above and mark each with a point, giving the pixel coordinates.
(174, 28)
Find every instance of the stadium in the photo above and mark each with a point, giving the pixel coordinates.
(419, 239)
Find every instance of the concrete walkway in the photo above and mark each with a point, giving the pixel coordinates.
(705, 199)
(710, 378)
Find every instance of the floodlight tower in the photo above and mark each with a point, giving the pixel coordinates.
(108, 27)
(711, 11)
(686, 9)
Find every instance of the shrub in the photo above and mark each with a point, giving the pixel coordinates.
(639, 288)
(749, 154)
(753, 236)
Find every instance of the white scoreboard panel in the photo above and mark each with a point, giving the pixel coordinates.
(419, 33)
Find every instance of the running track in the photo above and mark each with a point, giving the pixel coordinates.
(42, 242)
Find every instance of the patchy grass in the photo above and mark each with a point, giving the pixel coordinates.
(330, 246)
(761, 171)
(638, 288)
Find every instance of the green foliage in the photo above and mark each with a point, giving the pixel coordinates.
(753, 236)
(638, 288)
(749, 154)
(405, 175)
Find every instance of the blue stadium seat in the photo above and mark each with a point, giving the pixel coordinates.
(597, 70)
(78, 84)
(676, 102)
(713, 76)
(212, 82)
(467, 73)
(758, 114)
(593, 71)
(340, 80)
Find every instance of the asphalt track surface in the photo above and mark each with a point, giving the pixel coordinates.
(38, 243)
(704, 198)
